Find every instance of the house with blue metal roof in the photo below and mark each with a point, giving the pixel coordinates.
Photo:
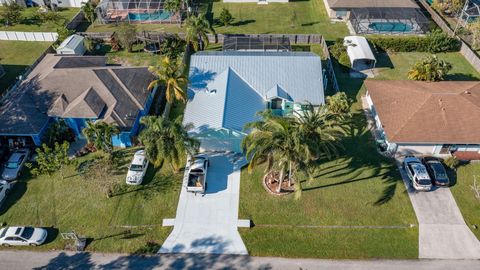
(77, 89)
(228, 88)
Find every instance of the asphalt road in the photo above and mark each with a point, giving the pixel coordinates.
(13, 260)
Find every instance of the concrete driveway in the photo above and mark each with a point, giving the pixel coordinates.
(208, 223)
(443, 233)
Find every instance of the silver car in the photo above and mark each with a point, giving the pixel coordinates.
(14, 165)
(22, 236)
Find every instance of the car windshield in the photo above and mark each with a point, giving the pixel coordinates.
(424, 182)
(27, 233)
(136, 168)
(3, 233)
(439, 171)
(11, 165)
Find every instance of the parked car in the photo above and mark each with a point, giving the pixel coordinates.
(138, 168)
(197, 174)
(417, 173)
(15, 164)
(437, 172)
(22, 236)
(5, 188)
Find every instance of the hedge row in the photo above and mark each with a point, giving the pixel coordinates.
(434, 42)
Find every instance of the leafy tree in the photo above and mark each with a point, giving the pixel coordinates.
(51, 16)
(127, 35)
(167, 140)
(197, 29)
(452, 162)
(89, 44)
(170, 74)
(173, 46)
(11, 12)
(474, 28)
(339, 52)
(63, 33)
(100, 135)
(58, 132)
(439, 41)
(88, 9)
(449, 7)
(51, 160)
(173, 6)
(429, 69)
(226, 17)
(339, 103)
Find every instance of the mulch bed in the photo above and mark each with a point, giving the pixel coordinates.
(273, 186)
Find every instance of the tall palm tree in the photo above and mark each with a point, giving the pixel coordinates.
(170, 73)
(292, 143)
(100, 135)
(166, 140)
(88, 10)
(272, 139)
(197, 29)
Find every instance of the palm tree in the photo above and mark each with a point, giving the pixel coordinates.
(272, 139)
(166, 140)
(292, 143)
(197, 29)
(88, 10)
(100, 135)
(170, 73)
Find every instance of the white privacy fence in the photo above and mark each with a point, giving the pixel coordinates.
(28, 36)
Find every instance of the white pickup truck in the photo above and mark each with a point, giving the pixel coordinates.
(197, 174)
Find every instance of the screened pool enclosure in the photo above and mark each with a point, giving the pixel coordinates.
(388, 21)
(136, 11)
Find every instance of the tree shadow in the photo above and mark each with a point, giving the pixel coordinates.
(383, 60)
(242, 22)
(66, 261)
(310, 23)
(460, 77)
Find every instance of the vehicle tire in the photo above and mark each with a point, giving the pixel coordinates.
(33, 245)
(5, 245)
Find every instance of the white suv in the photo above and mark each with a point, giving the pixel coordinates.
(137, 169)
(417, 173)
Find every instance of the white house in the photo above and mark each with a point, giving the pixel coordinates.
(72, 45)
(227, 89)
(426, 118)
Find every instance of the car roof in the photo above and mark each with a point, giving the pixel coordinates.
(420, 171)
(11, 231)
(198, 163)
(412, 159)
(15, 157)
(139, 157)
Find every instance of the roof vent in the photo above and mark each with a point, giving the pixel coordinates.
(211, 91)
(468, 92)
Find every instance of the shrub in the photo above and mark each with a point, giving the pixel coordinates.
(339, 52)
(51, 16)
(226, 17)
(430, 69)
(11, 12)
(434, 42)
(451, 162)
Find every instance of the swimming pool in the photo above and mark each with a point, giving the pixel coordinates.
(390, 27)
(155, 16)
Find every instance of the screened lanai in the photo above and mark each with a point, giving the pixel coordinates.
(136, 11)
(470, 12)
(388, 21)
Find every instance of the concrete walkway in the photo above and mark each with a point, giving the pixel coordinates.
(208, 223)
(19, 260)
(443, 233)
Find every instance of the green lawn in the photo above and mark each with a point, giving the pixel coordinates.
(299, 17)
(77, 204)
(31, 23)
(16, 57)
(464, 195)
(395, 66)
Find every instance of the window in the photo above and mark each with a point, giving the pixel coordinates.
(276, 104)
(27, 232)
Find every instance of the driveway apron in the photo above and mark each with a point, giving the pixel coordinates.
(443, 233)
(207, 223)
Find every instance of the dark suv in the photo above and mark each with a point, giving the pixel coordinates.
(437, 172)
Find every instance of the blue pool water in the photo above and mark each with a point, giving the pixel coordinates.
(390, 27)
(155, 16)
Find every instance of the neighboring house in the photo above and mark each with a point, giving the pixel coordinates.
(58, 3)
(77, 89)
(426, 118)
(227, 89)
(379, 16)
(360, 54)
(72, 45)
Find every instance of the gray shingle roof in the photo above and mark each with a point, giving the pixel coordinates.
(228, 88)
(57, 88)
(372, 4)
